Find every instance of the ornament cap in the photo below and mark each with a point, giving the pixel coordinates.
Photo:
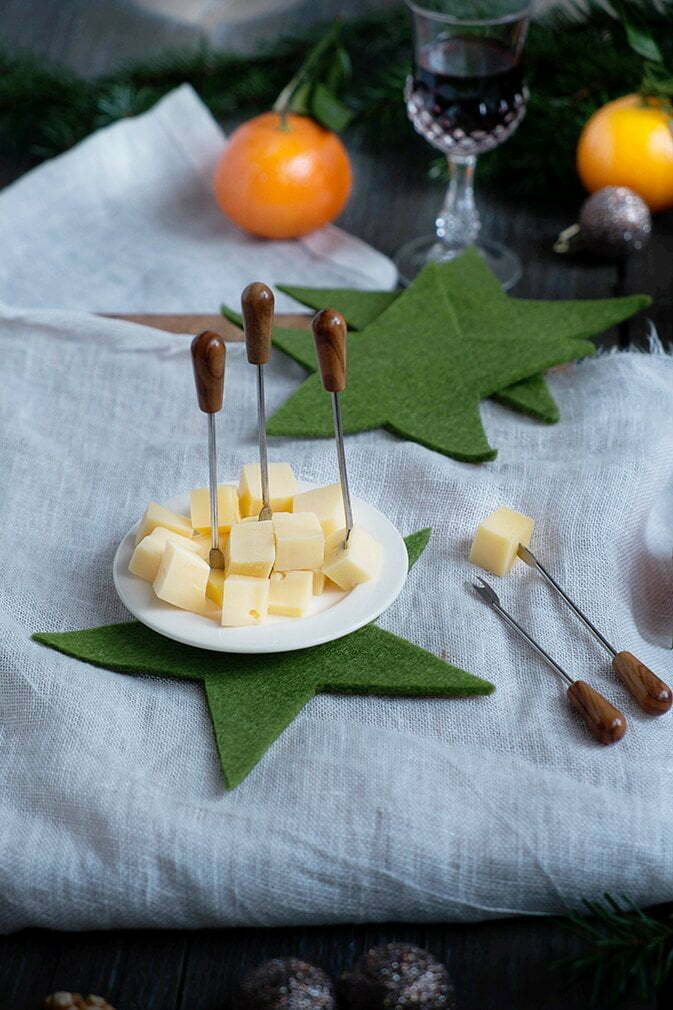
(613, 221)
(568, 239)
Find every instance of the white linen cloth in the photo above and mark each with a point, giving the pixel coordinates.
(112, 806)
(127, 222)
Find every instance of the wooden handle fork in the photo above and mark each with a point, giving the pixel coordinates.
(652, 694)
(605, 722)
(330, 336)
(257, 304)
(208, 359)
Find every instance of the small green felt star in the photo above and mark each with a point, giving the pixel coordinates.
(253, 698)
(423, 359)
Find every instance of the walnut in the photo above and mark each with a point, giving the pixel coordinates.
(75, 1001)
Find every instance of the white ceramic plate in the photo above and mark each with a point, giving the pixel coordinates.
(334, 613)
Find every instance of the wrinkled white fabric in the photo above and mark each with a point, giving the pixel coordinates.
(112, 806)
(127, 222)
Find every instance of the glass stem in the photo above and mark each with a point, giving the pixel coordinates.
(457, 223)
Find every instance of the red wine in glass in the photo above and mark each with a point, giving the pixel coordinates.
(467, 94)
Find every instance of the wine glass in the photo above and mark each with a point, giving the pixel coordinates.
(465, 96)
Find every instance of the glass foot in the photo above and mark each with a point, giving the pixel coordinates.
(413, 256)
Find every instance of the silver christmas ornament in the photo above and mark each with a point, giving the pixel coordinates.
(614, 221)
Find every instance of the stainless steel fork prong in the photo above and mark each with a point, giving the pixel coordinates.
(487, 593)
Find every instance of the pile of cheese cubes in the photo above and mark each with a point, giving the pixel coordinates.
(271, 567)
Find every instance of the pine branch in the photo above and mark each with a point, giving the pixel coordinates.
(573, 66)
(629, 952)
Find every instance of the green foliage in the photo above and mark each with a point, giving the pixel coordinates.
(638, 33)
(573, 66)
(657, 79)
(313, 91)
(629, 953)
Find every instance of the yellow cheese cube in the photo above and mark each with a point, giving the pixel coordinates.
(321, 583)
(282, 488)
(497, 539)
(246, 601)
(182, 577)
(326, 503)
(215, 586)
(300, 541)
(290, 593)
(146, 558)
(210, 610)
(202, 543)
(227, 508)
(358, 562)
(250, 550)
(157, 515)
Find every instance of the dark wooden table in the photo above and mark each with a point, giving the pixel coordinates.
(499, 965)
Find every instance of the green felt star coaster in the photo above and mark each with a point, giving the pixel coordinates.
(360, 308)
(424, 358)
(253, 698)
(481, 305)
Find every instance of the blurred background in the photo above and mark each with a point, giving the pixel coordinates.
(92, 36)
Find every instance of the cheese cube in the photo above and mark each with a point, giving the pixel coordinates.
(202, 543)
(321, 583)
(326, 503)
(300, 541)
(210, 610)
(215, 586)
(146, 558)
(246, 601)
(497, 539)
(157, 515)
(227, 508)
(358, 562)
(282, 488)
(182, 577)
(290, 593)
(250, 550)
